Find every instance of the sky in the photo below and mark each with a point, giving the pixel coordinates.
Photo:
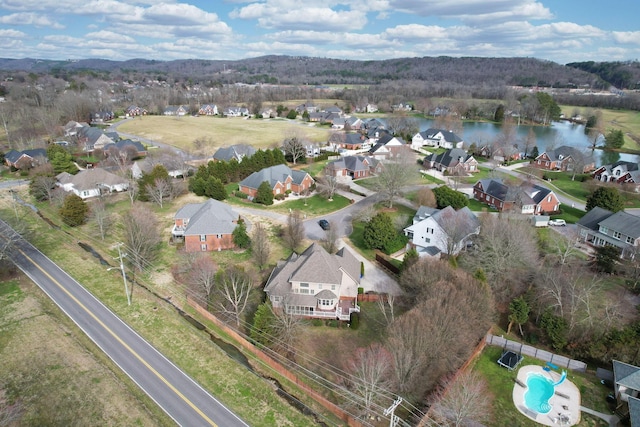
(562, 31)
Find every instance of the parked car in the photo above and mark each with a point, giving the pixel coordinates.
(558, 222)
(324, 224)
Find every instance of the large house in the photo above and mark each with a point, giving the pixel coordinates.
(355, 167)
(176, 110)
(280, 178)
(454, 161)
(205, 226)
(92, 183)
(600, 227)
(237, 152)
(93, 138)
(435, 232)
(626, 380)
(387, 146)
(208, 110)
(436, 138)
(316, 284)
(564, 158)
(620, 172)
(134, 110)
(25, 159)
(526, 198)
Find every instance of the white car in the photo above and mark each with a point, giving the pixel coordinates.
(558, 222)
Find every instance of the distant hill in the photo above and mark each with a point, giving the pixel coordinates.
(623, 75)
(468, 71)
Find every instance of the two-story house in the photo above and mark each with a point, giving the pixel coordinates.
(387, 146)
(237, 152)
(316, 284)
(176, 110)
(620, 172)
(437, 232)
(526, 198)
(205, 226)
(454, 161)
(208, 110)
(281, 179)
(600, 227)
(436, 138)
(564, 158)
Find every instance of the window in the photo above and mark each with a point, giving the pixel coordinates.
(278, 190)
(304, 285)
(203, 237)
(203, 247)
(333, 287)
(549, 199)
(604, 230)
(427, 240)
(219, 236)
(616, 235)
(630, 240)
(325, 302)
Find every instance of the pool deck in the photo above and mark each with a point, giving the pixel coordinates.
(564, 403)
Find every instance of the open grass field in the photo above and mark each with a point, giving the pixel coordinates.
(627, 121)
(55, 374)
(216, 132)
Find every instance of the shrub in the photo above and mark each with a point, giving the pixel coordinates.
(316, 322)
(394, 245)
(279, 197)
(360, 290)
(354, 321)
(241, 195)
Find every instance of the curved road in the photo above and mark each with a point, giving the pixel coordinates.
(186, 402)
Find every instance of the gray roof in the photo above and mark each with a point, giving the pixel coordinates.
(535, 192)
(624, 222)
(89, 179)
(448, 135)
(210, 217)
(634, 411)
(352, 163)
(124, 143)
(626, 375)
(466, 219)
(272, 175)
(13, 155)
(423, 213)
(495, 188)
(450, 157)
(237, 152)
(316, 265)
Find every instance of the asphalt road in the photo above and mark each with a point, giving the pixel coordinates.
(186, 402)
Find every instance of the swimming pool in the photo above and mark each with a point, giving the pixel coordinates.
(539, 391)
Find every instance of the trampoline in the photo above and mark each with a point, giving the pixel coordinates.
(509, 360)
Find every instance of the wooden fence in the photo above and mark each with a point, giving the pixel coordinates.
(276, 366)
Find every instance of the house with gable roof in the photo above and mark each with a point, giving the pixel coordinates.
(316, 284)
(92, 138)
(25, 159)
(134, 110)
(205, 227)
(601, 227)
(452, 161)
(526, 198)
(387, 146)
(92, 183)
(564, 158)
(355, 167)
(436, 138)
(237, 151)
(626, 380)
(208, 110)
(176, 110)
(437, 232)
(281, 179)
(621, 172)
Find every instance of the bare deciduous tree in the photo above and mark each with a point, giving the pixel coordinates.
(294, 231)
(260, 248)
(461, 401)
(233, 289)
(396, 174)
(328, 185)
(330, 240)
(457, 226)
(294, 147)
(132, 190)
(159, 191)
(201, 276)
(371, 368)
(100, 218)
(386, 305)
(286, 329)
(365, 214)
(425, 197)
(141, 236)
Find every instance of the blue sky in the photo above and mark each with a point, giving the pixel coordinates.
(560, 30)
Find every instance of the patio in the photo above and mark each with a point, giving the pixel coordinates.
(565, 402)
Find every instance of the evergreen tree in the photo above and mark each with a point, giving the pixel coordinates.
(499, 114)
(518, 313)
(74, 210)
(61, 159)
(534, 152)
(262, 330)
(410, 258)
(607, 198)
(214, 188)
(264, 194)
(614, 139)
(606, 257)
(446, 196)
(240, 237)
(158, 172)
(379, 232)
(292, 114)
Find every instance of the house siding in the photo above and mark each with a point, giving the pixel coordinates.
(192, 243)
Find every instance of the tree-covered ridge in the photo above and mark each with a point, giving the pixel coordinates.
(623, 75)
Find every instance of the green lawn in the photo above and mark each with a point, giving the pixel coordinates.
(627, 121)
(477, 206)
(500, 382)
(313, 206)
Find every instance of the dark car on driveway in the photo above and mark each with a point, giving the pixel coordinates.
(324, 224)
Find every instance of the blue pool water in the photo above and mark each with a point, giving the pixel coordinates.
(539, 391)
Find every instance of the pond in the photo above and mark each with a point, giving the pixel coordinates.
(559, 133)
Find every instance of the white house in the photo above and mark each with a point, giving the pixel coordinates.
(436, 138)
(441, 231)
(92, 183)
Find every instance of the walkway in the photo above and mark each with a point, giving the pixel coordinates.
(613, 420)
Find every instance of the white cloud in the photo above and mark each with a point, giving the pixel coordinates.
(11, 34)
(632, 37)
(111, 36)
(29, 19)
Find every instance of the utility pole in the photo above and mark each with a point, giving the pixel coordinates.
(393, 421)
(124, 275)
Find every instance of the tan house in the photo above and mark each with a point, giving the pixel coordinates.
(205, 227)
(281, 179)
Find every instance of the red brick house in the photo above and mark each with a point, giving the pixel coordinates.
(525, 199)
(205, 227)
(354, 166)
(620, 172)
(281, 179)
(564, 159)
